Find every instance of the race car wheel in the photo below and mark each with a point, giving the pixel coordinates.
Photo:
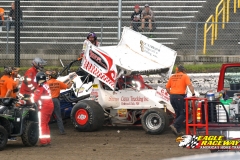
(81, 116)
(87, 116)
(3, 138)
(30, 134)
(155, 121)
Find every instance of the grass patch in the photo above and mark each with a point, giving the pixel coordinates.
(203, 68)
(55, 68)
(190, 68)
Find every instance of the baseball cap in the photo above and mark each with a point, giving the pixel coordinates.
(15, 69)
(136, 6)
(181, 68)
(146, 5)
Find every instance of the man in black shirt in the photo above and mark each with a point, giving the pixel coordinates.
(11, 16)
(136, 18)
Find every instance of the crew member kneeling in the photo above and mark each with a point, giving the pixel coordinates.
(42, 97)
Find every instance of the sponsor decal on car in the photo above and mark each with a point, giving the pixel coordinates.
(100, 65)
(122, 112)
(95, 86)
(162, 93)
(129, 100)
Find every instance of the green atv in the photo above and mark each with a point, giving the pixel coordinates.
(18, 121)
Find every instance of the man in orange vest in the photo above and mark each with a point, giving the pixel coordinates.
(176, 87)
(55, 87)
(16, 81)
(6, 83)
(1, 16)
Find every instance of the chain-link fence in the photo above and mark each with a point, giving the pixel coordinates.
(56, 29)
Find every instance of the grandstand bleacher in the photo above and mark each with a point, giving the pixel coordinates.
(60, 27)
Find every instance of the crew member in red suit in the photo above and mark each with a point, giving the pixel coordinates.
(42, 97)
(29, 84)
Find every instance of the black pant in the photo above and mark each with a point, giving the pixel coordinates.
(57, 112)
(177, 101)
(135, 25)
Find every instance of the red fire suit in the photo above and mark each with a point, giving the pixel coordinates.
(29, 84)
(42, 96)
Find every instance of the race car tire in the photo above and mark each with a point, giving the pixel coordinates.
(87, 116)
(155, 121)
(3, 138)
(30, 134)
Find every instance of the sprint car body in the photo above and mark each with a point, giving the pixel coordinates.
(119, 95)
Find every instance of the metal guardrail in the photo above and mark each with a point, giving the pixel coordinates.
(225, 13)
(206, 29)
(218, 13)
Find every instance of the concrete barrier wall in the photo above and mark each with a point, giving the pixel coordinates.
(26, 59)
(208, 58)
(53, 59)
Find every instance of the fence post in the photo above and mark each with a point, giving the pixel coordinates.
(17, 33)
(196, 40)
(119, 19)
(101, 32)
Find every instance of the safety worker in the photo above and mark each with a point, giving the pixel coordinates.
(176, 87)
(91, 37)
(29, 83)
(55, 87)
(6, 83)
(42, 97)
(15, 77)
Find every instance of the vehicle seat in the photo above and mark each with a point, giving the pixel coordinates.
(8, 101)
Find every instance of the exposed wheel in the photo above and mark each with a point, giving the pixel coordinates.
(30, 134)
(155, 121)
(87, 116)
(3, 138)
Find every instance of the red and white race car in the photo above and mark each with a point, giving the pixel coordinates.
(118, 94)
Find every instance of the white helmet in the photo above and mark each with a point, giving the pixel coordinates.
(39, 63)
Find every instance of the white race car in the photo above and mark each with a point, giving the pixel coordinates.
(118, 94)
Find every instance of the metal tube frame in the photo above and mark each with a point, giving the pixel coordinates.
(119, 19)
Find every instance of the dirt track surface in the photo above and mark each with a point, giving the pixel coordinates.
(130, 143)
